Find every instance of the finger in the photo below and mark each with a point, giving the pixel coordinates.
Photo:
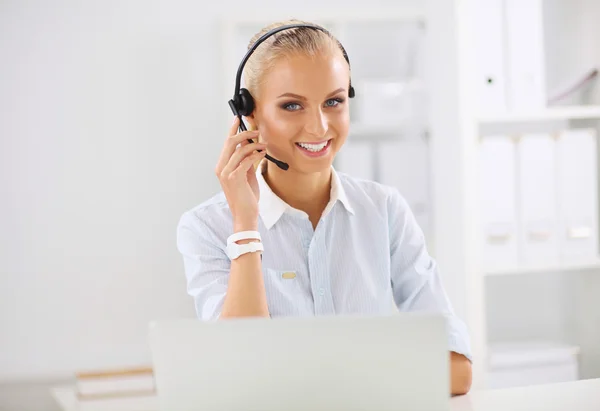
(240, 139)
(235, 125)
(224, 156)
(245, 142)
(234, 129)
(240, 154)
(246, 164)
(230, 146)
(244, 135)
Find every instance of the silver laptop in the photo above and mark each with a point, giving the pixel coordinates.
(397, 362)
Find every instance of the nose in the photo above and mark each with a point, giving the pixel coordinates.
(317, 124)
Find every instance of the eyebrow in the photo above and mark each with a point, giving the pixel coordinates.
(299, 97)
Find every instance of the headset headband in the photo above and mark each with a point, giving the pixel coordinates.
(265, 36)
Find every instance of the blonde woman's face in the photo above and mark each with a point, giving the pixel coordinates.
(302, 112)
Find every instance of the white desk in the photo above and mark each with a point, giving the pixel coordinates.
(581, 395)
(572, 396)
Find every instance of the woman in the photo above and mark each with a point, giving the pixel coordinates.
(322, 242)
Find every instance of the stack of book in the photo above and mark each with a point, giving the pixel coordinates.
(128, 389)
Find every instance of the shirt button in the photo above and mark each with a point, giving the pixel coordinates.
(321, 291)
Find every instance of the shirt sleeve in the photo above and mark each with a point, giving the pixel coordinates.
(206, 265)
(416, 282)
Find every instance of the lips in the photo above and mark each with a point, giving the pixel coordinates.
(314, 149)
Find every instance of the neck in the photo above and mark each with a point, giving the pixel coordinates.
(307, 192)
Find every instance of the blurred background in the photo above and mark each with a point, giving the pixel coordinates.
(484, 113)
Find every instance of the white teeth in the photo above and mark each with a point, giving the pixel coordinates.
(313, 147)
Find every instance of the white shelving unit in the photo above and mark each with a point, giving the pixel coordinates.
(534, 166)
(443, 37)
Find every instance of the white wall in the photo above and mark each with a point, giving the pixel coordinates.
(111, 119)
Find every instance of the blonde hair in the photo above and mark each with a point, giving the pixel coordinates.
(294, 41)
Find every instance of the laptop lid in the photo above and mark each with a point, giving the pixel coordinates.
(287, 364)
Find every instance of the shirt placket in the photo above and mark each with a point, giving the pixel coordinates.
(320, 281)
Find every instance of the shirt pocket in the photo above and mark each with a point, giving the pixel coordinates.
(285, 295)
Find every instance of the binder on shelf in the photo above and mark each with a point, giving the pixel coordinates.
(497, 183)
(541, 189)
(525, 56)
(538, 236)
(577, 182)
(490, 77)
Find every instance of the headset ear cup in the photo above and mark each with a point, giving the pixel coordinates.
(351, 92)
(246, 102)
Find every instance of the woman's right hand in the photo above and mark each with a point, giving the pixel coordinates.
(237, 176)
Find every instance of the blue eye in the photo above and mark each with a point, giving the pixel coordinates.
(291, 106)
(333, 102)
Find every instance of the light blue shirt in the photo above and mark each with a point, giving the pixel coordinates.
(366, 256)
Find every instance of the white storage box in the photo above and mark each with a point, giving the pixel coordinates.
(531, 363)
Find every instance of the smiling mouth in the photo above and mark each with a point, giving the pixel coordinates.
(314, 147)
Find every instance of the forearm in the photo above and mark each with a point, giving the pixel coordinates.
(460, 374)
(246, 295)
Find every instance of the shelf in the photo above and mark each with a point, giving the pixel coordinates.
(591, 265)
(550, 114)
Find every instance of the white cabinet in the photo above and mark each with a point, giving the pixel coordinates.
(578, 202)
(538, 242)
(497, 182)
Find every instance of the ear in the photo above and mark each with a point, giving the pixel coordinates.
(251, 122)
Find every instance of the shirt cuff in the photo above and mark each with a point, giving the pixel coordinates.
(458, 338)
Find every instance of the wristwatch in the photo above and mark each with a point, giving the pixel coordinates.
(234, 250)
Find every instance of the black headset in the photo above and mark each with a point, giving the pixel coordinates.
(242, 103)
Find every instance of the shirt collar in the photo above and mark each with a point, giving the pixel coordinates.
(271, 207)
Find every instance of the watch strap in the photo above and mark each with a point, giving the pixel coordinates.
(243, 235)
(235, 250)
